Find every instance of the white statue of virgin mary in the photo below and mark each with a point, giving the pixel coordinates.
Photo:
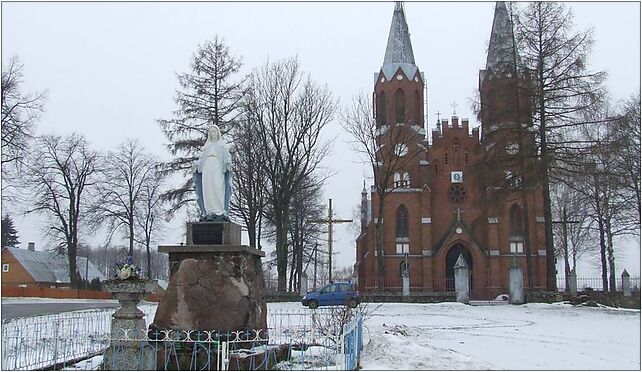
(213, 177)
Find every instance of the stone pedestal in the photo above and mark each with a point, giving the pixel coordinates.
(304, 284)
(213, 233)
(626, 284)
(572, 283)
(462, 280)
(213, 286)
(515, 283)
(126, 350)
(405, 283)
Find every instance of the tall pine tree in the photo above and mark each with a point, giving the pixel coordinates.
(9, 232)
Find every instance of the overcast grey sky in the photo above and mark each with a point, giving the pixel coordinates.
(110, 67)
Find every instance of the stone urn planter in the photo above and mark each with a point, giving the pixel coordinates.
(128, 329)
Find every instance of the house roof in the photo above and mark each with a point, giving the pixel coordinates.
(50, 267)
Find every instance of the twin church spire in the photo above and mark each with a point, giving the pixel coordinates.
(399, 48)
(502, 52)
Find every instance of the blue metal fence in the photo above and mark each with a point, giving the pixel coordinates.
(352, 342)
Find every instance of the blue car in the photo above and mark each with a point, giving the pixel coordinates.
(337, 293)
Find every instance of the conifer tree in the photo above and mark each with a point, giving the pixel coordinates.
(9, 232)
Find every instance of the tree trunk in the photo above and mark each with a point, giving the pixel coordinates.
(281, 251)
(379, 246)
(611, 256)
(149, 258)
(567, 266)
(605, 282)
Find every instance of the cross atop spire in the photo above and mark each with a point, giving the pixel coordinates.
(399, 48)
(502, 54)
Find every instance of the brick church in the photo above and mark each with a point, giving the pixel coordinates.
(458, 190)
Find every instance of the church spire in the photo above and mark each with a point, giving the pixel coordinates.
(502, 54)
(399, 48)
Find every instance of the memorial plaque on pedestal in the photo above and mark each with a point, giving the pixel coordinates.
(207, 234)
(213, 233)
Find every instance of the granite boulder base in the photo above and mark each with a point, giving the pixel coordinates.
(213, 287)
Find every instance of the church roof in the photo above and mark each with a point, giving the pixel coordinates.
(399, 48)
(502, 42)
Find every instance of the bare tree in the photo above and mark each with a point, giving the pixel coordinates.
(626, 134)
(124, 175)
(209, 94)
(604, 192)
(373, 143)
(20, 112)
(249, 196)
(291, 111)
(563, 87)
(572, 232)
(306, 206)
(60, 171)
(149, 215)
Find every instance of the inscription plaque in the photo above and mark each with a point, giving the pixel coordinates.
(207, 234)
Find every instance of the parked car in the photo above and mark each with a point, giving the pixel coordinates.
(337, 293)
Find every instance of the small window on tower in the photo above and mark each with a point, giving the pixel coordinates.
(456, 146)
(436, 170)
(406, 179)
(466, 158)
(445, 158)
(5, 268)
(396, 179)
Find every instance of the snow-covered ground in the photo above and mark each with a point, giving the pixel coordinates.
(531, 336)
(456, 336)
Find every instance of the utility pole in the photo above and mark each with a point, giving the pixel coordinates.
(316, 261)
(567, 266)
(330, 221)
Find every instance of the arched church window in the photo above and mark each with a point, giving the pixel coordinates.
(396, 179)
(402, 241)
(381, 108)
(406, 179)
(400, 106)
(516, 228)
(418, 118)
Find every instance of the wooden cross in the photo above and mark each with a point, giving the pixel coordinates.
(330, 221)
(565, 221)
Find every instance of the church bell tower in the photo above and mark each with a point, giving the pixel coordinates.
(399, 100)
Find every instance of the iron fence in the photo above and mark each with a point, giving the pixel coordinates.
(50, 340)
(319, 339)
(596, 283)
(487, 288)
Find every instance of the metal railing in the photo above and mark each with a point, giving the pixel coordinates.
(319, 339)
(595, 283)
(47, 341)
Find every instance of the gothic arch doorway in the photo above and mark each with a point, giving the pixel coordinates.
(451, 259)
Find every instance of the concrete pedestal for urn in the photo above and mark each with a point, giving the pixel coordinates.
(126, 350)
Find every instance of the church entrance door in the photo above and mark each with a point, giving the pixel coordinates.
(451, 259)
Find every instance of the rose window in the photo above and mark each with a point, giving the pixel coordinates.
(457, 193)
